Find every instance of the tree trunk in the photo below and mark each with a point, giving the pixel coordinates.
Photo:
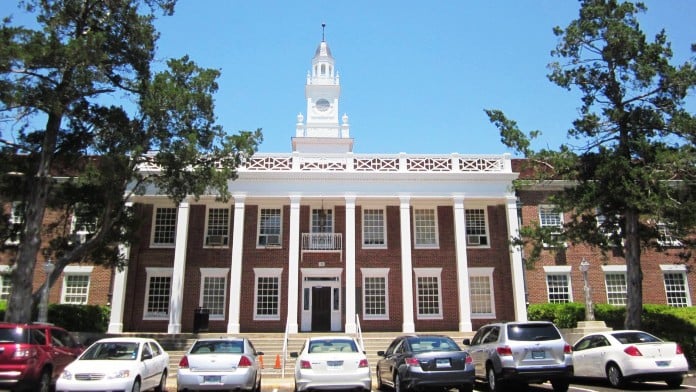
(634, 273)
(20, 303)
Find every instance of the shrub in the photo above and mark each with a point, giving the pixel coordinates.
(564, 315)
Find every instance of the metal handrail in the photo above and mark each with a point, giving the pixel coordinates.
(358, 332)
(285, 350)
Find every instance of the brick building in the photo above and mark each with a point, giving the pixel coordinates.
(325, 239)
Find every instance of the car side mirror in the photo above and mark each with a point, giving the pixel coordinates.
(147, 356)
(466, 342)
(294, 354)
(380, 353)
(259, 353)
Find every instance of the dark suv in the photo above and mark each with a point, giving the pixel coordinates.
(32, 356)
(521, 352)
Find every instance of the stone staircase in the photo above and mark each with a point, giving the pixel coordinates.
(275, 364)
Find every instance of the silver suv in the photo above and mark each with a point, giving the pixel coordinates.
(521, 352)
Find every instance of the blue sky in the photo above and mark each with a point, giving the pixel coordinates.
(415, 76)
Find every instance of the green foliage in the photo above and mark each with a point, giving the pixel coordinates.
(563, 315)
(80, 318)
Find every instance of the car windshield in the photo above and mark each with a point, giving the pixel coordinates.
(432, 343)
(14, 335)
(332, 345)
(635, 337)
(111, 351)
(218, 346)
(532, 332)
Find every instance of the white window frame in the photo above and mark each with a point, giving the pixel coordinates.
(5, 281)
(429, 273)
(214, 273)
(676, 269)
(268, 273)
(665, 238)
(315, 220)
(436, 234)
(615, 270)
(225, 237)
(375, 273)
(155, 209)
(383, 245)
(558, 271)
(486, 233)
(15, 219)
(152, 272)
(549, 209)
(74, 270)
(483, 272)
(259, 235)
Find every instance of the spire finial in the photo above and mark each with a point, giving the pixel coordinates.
(323, 26)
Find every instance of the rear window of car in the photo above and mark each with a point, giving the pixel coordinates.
(333, 345)
(532, 332)
(218, 346)
(432, 343)
(635, 337)
(14, 335)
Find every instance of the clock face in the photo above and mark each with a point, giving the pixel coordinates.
(322, 105)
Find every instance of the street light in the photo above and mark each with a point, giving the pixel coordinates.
(43, 306)
(589, 311)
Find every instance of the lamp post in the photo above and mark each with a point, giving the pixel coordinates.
(43, 306)
(589, 311)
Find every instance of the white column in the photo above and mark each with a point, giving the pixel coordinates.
(294, 264)
(462, 265)
(516, 263)
(177, 300)
(350, 265)
(236, 264)
(118, 295)
(406, 265)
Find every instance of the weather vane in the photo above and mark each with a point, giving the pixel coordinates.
(323, 26)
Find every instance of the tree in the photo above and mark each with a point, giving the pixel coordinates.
(83, 116)
(634, 166)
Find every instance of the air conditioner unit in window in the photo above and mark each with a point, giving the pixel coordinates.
(216, 240)
(272, 240)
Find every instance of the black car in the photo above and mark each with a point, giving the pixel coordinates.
(419, 362)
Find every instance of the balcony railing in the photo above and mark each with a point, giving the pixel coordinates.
(322, 242)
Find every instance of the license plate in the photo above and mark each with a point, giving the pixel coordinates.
(442, 363)
(538, 354)
(662, 363)
(211, 379)
(334, 363)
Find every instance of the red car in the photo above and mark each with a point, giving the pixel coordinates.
(32, 356)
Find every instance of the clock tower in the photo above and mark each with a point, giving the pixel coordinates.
(322, 131)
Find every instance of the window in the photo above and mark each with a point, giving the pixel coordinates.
(615, 280)
(476, 234)
(428, 293)
(269, 227)
(157, 293)
(164, 228)
(373, 227)
(425, 228)
(676, 285)
(665, 236)
(84, 223)
(75, 285)
(375, 293)
(322, 220)
(558, 284)
(551, 218)
(213, 291)
(267, 299)
(218, 227)
(15, 223)
(5, 282)
(481, 292)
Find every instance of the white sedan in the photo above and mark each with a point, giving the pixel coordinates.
(117, 364)
(331, 362)
(629, 355)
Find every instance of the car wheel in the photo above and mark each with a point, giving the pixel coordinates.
(466, 388)
(495, 384)
(380, 384)
(398, 385)
(45, 381)
(560, 385)
(674, 382)
(136, 385)
(614, 376)
(162, 386)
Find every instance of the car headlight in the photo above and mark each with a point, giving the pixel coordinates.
(119, 374)
(66, 375)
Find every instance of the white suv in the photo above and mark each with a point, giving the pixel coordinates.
(521, 352)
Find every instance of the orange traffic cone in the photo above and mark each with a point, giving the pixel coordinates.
(277, 363)
(261, 361)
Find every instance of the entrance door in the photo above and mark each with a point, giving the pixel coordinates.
(321, 309)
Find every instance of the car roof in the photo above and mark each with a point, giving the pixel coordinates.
(125, 339)
(221, 339)
(27, 325)
(328, 337)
